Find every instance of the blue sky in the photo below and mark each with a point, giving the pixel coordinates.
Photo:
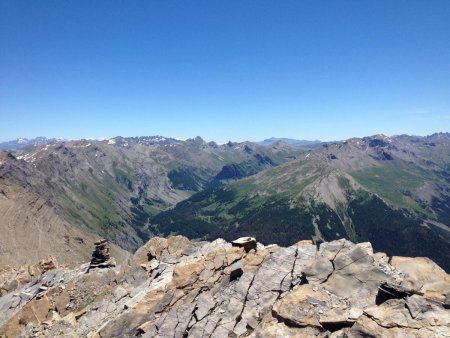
(224, 69)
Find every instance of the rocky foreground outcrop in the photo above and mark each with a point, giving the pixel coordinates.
(177, 288)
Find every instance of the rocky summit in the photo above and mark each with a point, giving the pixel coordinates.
(175, 287)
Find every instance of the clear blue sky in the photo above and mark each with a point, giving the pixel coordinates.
(224, 69)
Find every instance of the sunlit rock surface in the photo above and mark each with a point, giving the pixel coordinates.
(178, 288)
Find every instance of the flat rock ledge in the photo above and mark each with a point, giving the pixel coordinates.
(177, 288)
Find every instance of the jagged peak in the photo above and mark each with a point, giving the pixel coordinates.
(196, 140)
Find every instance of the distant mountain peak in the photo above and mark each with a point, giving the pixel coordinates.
(196, 139)
(23, 142)
(290, 141)
(144, 140)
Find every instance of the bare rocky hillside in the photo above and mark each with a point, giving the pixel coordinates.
(31, 229)
(58, 198)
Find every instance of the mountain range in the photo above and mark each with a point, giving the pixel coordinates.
(392, 191)
(22, 143)
(290, 141)
(73, 191)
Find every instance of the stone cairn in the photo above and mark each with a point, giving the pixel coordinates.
(100, 257)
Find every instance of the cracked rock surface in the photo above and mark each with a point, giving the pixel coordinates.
(177, 288)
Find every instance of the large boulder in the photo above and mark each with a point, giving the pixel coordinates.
(157, 247)
(424, 275)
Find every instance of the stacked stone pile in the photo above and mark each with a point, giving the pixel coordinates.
(101, 257)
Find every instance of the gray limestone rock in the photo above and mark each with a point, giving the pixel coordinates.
(220, 289)
(319, 270)
(118, 293)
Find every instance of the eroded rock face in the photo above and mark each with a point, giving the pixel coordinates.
(11, 278)
(178, 288)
